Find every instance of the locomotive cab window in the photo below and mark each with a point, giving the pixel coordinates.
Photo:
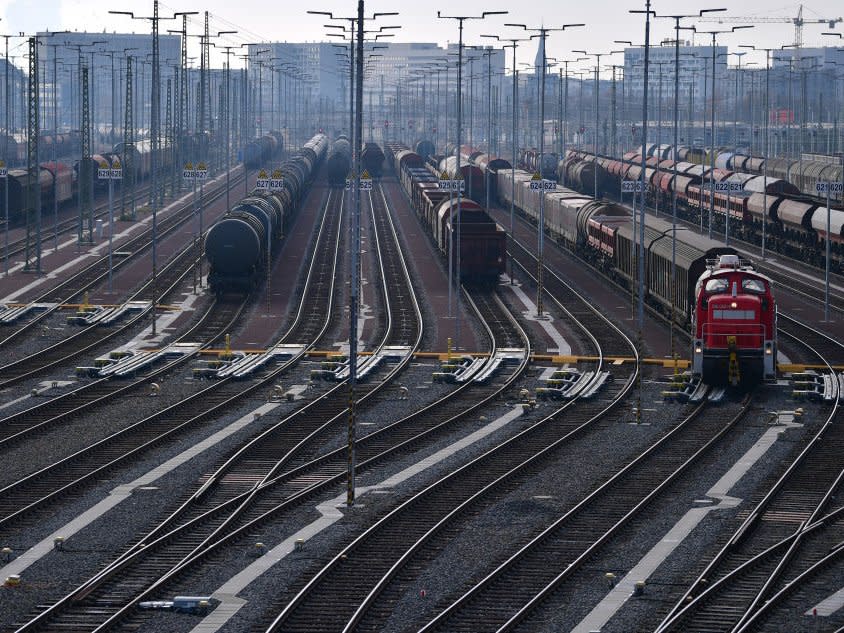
(754, 286)
(716, 285)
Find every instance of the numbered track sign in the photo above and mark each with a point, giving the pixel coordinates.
(4, 171)
(829, 187)
(453, 185)
(632, 186)
(729, 187)
(276, 182)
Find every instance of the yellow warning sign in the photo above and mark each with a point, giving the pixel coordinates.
(103, 165)
(444, 175)
(189, 166)
(201, 166)
(116, 164)
(276, 174)
(365, 175)
(2, 163)
(536, 176)
(263, 174)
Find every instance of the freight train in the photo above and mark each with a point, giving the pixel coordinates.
(258, 151)
(794, 224)
(236, 245)
(138, 158)
(339, 162)
(477, 168)
(65, 177)
(804, 173)
(735, 344)
(482, 246)
(372, 160)
(62, 144)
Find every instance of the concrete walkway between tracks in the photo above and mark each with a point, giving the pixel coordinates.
(562, 346)
(719, 499)
(58, 262)
(122, 492)
(330, 514)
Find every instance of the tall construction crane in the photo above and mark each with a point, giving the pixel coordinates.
(798, 22)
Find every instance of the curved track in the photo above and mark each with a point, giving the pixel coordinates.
(243, 489)
(361, 583)
(774, 544)
(86, 278)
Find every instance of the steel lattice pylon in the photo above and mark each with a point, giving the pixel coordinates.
(33, 189)
(168, 134)
(85, 171)
(128, 181)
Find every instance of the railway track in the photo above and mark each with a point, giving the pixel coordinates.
(42, 487)
(96, 273)
(68, 225)
(518, 248)
(363, 582)
(16, 427)
(784, 535)
(532, 577)
(50, 484)
(168, 280)
(239, 491)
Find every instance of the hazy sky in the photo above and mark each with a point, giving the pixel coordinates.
(271, 20)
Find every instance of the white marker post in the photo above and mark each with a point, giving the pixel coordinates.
(536, 184)
(728, 188)
(115, 172)
(189, 174)
(445, 185)
(201, 176)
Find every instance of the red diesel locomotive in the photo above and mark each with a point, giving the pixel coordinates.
(734, 325)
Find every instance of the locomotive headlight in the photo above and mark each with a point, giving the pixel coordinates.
(769, 349)
(698, 349)
(734, 305)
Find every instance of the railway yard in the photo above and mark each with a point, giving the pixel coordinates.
(350, 377)
(480, 504)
